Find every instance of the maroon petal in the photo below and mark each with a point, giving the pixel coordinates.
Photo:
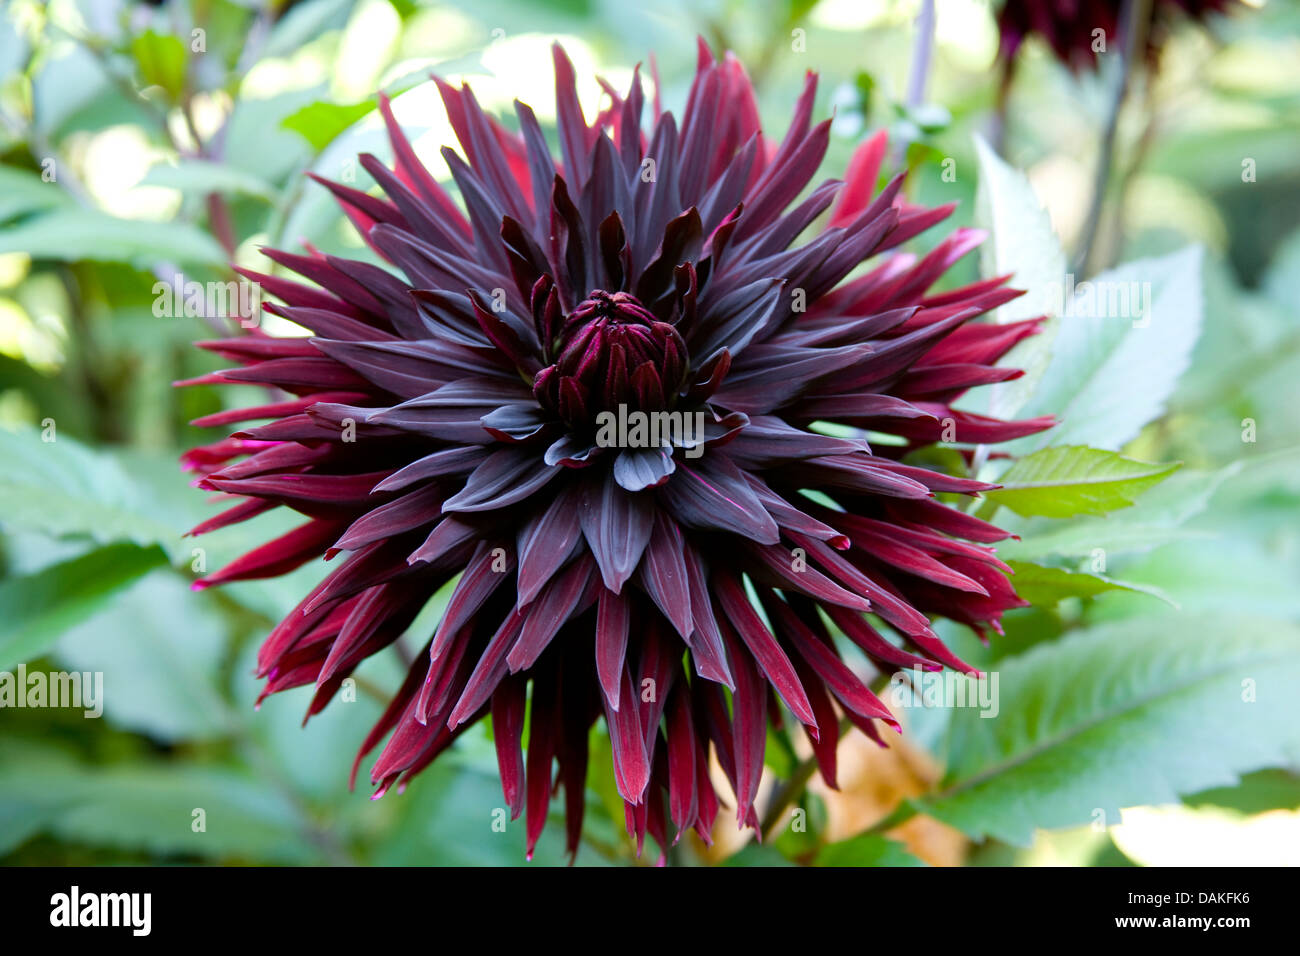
(713, 494)
(664, 575)
(612, 623)
(506, 477)
(617, 525)
(763, 646)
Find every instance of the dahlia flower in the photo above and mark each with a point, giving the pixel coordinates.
(1067, 25)
(441, 424)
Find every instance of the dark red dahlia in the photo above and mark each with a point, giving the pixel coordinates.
(1068, 26)
(443, 423)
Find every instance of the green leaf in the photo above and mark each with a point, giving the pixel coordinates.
(1156, 519)
(69, 79)
(62, 488)
(452, 815)
(1218, 575)
(1063, 482)
(1257, 792)
(755, 854)
(161, 61)
(26, 808)
(255, 142)
(868, 849)
(1282, 280)
(1123, 341)
(19, 821)
(303, 23)
(1044, 585)
(39, 607)
(315, 759)
(161, 650)
(1130, 714)
(23, 192)
(73, 234)
(321, 122)
(1276, 474)
(14, 47)
(1022, 244)
(150, 807)
(201, 176)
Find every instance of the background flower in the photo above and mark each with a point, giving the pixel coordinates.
(1071, 27)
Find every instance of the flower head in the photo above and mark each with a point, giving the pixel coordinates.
(1074, 28)
(442, 424)
(609, 351)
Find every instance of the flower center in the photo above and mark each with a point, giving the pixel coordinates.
(611, 351)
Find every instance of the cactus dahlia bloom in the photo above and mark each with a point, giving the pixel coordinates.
(1068, 26)
(680, 588)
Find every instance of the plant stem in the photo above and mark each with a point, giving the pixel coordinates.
(900, 815)
(998, 135)
(786, 794)
(922, 54)
(986, 509)
(1135, 16)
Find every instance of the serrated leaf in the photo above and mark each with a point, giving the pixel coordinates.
(1129, 714)
(1275, 474)
(74, 234)
(160, 648)
(63, 488)
(1023, 244)
(1063, 482)
(867, 849)
(150, 807)
(1121, 345)
(1257, 792)
(201, 176)
(37, 608)
(1220, 575)
(1155, 520)
(1041, 585)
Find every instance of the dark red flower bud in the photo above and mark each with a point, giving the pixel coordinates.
(611, 351)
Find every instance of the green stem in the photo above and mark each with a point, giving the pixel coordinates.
(789, 790)
(1136, 14)
(900, 815)
(987, 509)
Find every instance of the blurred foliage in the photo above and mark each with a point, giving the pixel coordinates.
(141, 141)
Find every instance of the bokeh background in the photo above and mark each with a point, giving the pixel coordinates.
(138, 140)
